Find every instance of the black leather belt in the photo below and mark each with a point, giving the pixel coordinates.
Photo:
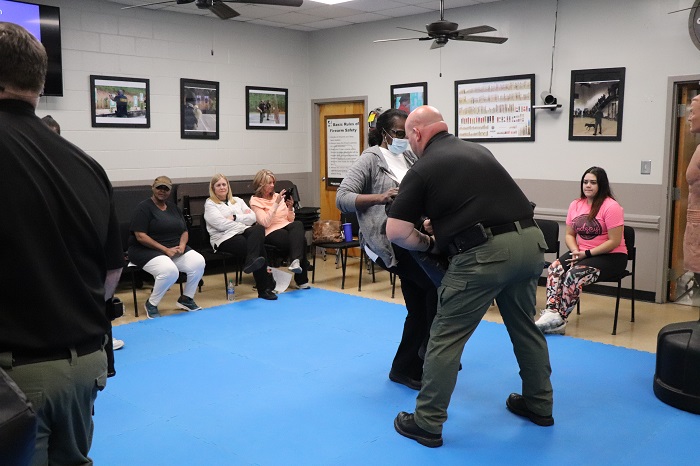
(478, 234)
(508, 227)
(21, 358)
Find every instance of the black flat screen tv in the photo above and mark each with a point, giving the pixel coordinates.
(44, 22)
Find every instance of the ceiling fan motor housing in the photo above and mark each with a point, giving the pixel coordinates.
(441, 27)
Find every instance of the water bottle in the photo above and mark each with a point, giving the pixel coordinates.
(230, 292)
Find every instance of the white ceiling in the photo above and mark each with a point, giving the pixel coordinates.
(312, 16)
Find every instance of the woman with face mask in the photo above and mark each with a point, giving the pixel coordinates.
(368, 190)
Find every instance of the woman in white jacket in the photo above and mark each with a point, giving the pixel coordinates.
(232, 228)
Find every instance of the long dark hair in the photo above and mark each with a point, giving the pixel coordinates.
(384, 123)
(603, 193)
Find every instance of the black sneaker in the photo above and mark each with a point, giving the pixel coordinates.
(406, 426)
(516, 405)
(151, 310)
(267, 294)
(187, 303)
(254, 265)
(405, 380)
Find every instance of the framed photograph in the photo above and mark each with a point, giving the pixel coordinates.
(199, 109)
(266, 108)
(496, 109)
(119, 102)
(597, 98)
(408, 97)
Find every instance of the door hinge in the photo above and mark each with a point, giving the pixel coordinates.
(675, 194)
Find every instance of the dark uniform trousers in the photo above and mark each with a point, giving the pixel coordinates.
(63, 393)
(505, 268)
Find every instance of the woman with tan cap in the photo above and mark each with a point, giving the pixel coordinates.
(158, 244)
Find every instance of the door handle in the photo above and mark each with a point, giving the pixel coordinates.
(323, 179)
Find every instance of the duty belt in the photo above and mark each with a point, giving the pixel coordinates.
(20, 358)
(478, 234)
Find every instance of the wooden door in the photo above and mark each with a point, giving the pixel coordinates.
(686, 142)
(328, 209)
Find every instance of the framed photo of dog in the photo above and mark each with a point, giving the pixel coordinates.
(597, 101)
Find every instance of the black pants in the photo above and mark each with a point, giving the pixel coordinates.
(420, 295)
(250, 244)
(291, 241)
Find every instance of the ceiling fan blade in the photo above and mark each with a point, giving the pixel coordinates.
(222, 10)
(437, 45)
(404, 38)
(179, 2)
(409, 29)
(474, 30)
(268, 2)
(487, 39)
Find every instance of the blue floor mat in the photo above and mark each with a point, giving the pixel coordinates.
(303, 381)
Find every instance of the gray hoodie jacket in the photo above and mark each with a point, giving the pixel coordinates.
(370, 175)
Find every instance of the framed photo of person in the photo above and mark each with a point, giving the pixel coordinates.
(597, 98)
(496, 109)
(117, 102)
(199, 109)
(266, 108)
(408, 97)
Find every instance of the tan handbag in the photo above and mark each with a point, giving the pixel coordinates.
(327, 231)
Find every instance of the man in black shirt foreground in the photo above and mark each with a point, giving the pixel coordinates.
(60, 234)
(483, 221)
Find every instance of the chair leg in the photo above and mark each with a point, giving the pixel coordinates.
(632, 299)
(617, 306)
(343, 263)
(362, 263)
(223, 262)
(133, 290)
(313, 268)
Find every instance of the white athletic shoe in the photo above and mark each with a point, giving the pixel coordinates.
(295, 266)
(117, 344)
(551, 322)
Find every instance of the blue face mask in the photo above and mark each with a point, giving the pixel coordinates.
(398, 146)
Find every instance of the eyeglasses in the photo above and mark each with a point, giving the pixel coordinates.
(396, 133)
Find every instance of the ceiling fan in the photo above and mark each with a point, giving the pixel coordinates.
(443, 31)
(219, 7)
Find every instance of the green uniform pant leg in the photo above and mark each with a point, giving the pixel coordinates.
(506, 265)
(529, 345)
(63, 393)
(466, 293)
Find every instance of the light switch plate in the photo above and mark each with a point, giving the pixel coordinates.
(646, 167)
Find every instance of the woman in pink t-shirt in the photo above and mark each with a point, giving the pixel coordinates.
(594, 227)
(275, 212)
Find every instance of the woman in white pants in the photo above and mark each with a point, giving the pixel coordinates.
(158, 244)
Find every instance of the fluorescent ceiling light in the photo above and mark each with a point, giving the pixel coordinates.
(330, 2)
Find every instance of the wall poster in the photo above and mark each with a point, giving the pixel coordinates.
(495, 109)
(344, 136)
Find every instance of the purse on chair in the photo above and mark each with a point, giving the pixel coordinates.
(18, 424)
(327, 231)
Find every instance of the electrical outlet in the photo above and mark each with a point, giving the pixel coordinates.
(646, 167)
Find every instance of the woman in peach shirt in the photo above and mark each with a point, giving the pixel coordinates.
(275, 212)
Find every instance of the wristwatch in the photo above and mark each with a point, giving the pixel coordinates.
(588, 253)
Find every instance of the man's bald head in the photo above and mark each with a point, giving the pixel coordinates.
(422, 124)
